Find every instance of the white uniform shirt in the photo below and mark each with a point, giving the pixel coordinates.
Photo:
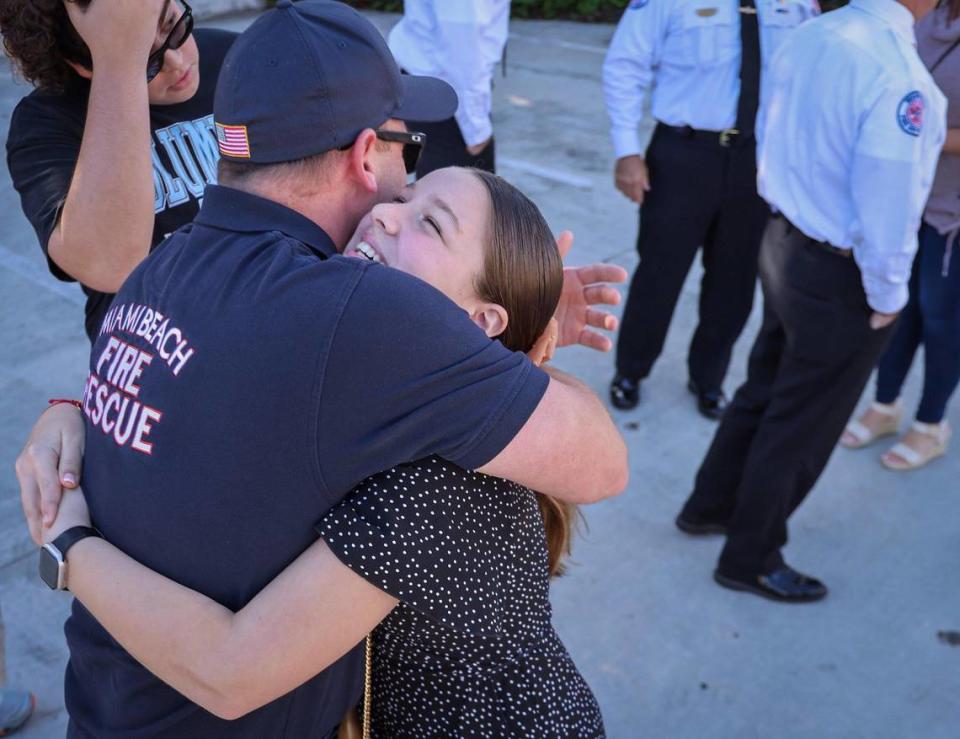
(459, 41)
(849, 139)
(689, 52)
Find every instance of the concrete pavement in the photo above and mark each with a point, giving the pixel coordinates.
(668, 653)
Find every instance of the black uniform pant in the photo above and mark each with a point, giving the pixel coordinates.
(446, 148)
(807, 369)
(701, 194)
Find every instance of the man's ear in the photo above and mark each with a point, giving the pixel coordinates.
(81, 70)
(491, 318)
(361, 162)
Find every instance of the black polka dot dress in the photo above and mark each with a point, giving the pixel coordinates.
(470, 650)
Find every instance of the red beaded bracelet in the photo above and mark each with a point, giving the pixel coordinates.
(76, 403)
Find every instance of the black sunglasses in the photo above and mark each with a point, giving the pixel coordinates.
(175, 39)
(413, 145)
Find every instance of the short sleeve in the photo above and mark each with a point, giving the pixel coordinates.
(407, 376)
(43, 146)
(435, 538)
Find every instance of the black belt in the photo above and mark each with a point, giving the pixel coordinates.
(726, 138)
(848, 253)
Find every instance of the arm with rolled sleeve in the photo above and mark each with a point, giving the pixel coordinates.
(472, 36)
(628, 71)
(890, 180)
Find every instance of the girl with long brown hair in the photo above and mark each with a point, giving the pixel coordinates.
(449, 568)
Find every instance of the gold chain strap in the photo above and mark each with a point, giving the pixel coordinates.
(367, 686)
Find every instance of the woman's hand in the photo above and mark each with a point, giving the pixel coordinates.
(49, 463)
(542, 351)
(73, 511)
(584, 287)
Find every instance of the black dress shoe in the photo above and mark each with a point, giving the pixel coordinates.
(784, 585)
(624, 392)
(699, 526)
(710, 403)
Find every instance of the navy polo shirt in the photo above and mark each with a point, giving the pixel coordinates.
(244, 380)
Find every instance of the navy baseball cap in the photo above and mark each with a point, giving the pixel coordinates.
(307, 77)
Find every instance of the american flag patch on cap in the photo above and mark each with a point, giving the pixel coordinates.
(233, 141)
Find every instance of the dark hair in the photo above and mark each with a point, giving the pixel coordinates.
(953, 9)
(40, 41)
(523, 272)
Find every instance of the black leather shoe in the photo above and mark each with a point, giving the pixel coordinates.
(699, 526)
(624, 392)
(710, 403)
(784, 585)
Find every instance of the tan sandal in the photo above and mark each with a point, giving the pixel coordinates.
(858, 435)
(910, 458)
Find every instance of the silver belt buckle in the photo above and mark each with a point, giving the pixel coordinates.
(726, 136)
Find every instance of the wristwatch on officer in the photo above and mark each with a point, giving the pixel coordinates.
(53, 556)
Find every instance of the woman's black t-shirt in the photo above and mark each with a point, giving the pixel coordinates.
(43, 146)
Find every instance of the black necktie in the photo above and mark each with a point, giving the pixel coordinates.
(749, 100)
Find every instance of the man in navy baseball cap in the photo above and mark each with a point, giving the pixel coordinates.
(307, 78)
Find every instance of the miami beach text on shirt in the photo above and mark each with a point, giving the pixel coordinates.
(111, 396)
(151, 325)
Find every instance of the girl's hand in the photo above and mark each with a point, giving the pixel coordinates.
(542, 351)
(49, 463)
(583, 288)
(73, 512)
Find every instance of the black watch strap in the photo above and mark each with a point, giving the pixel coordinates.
(71, 536)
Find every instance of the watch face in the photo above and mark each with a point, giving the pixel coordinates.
(49, 568)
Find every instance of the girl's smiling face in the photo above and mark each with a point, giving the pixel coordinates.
(435, 229)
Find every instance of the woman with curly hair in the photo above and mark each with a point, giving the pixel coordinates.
(110, 76)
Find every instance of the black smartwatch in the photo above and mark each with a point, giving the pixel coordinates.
(53, 556)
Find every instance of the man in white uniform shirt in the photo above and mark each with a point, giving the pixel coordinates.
(848, 148)
(460, 41)
(704, 64)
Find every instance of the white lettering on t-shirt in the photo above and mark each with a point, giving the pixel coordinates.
(111, 396)
(191, 148)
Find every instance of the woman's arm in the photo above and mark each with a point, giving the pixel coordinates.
(50, 461)
(312, 614)
(952, 144)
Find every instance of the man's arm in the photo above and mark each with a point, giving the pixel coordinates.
(627, 77)
(106, 222)
(472, 36)
(409, 375)
(891, 173)
(569, 448)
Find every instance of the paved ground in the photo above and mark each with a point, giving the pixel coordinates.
(668, 653)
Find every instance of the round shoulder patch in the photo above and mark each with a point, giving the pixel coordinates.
(910, 113)
(637, 4)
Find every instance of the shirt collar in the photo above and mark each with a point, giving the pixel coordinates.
(890, 12)
(243, 212)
